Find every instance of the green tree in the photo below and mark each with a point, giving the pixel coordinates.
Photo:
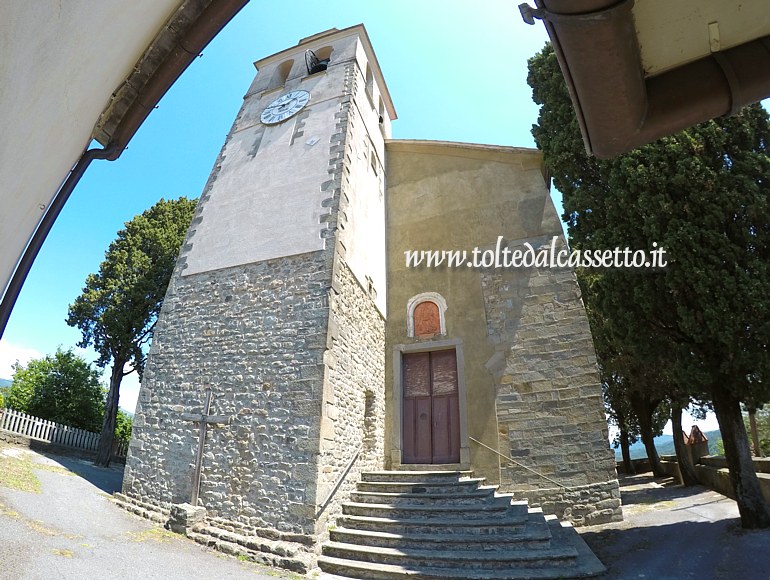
(762, 422)
(119, 306)
(702, 195)
(123, 424)
(62, 387)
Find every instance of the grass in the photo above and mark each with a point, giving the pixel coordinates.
(18, 472)
(64, 553)
(153, 534)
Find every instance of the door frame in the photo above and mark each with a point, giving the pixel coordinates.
(398, 398)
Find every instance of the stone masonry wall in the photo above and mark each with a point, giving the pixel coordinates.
(256, 335)
(354, 392)
(549, 403)
(354, 381)
(291, 347)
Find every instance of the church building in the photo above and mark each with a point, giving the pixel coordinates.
(323, 334)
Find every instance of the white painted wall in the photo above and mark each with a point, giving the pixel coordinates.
(59, 64)
(268, 204)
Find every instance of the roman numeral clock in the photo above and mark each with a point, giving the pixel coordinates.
(284, 107)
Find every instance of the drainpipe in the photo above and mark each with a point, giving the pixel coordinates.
(617, 107)
(54, 208)
(205, 27)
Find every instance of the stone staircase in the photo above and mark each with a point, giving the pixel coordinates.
(447, 525)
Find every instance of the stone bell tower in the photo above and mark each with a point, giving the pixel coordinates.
(277, 306)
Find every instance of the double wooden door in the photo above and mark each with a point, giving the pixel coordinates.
(431, 413)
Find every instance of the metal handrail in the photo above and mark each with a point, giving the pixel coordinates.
(517, 463)
(322, 506)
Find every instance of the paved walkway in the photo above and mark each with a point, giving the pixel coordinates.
(673, 533)
(71, 530)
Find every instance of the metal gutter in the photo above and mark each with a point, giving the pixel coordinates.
(198, 33)
(618, 108)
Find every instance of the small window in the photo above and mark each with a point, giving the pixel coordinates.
(369, 83)
(381, 111)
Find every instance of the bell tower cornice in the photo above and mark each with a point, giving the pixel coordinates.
(322, 39)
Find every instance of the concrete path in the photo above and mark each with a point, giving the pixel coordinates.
(674, 533)
(71, 530)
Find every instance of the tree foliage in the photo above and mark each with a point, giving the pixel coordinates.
(62, 387)
(700, 324)
(119, 306)
(123, 424)
(763, 430)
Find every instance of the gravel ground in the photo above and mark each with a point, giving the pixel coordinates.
(73, 530)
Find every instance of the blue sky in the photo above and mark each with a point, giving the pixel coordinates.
(456, 71)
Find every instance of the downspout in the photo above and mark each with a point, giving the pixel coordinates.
(110, 152)
(208, 24)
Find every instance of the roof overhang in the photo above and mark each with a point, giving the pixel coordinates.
(638, 71)
(72, 72)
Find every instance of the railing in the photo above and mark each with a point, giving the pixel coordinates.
(340, 479)
(39, 429)
(510, 460)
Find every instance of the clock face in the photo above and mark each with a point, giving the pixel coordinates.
(284, 107)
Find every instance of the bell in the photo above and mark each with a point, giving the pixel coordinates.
(319, 66)
(314, 64)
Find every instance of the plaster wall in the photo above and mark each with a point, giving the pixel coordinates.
(267, 201)
(457, 197)
(532, 396)
(57, 80)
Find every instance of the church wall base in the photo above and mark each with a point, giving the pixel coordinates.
(295, 552)
(585, 505)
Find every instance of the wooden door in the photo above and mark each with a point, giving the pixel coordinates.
(431, 414)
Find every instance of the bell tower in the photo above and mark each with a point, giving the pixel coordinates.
(277, 306)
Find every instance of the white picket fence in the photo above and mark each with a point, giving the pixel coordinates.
(54, 433)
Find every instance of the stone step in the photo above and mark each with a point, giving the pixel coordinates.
(536, 535)
(371, 571)
(296, 563)
(482, 495)
(140, 509)
(471, 513)
(415, 476)
(446, 525)
(480, 559)
(468, 485)
(255, 543)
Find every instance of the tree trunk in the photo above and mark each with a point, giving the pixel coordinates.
(754, 432)
(752, 506)
(644, 408)
(686, 468)
(104, 455)
(628, 465)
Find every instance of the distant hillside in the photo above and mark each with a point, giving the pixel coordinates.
(4, 383)
(665, 446)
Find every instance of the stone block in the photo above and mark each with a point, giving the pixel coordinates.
(183, 517)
